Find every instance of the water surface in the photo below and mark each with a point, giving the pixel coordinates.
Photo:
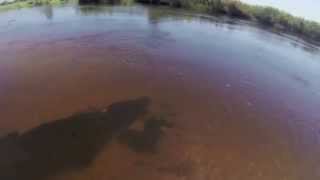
(243, 102)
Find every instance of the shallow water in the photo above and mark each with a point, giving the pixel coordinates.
(243, 101)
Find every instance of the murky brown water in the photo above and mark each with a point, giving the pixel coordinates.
(243, 103)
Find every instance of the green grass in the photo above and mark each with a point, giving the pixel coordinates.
(278, 19)
(15, 5)
(28, 3)
(127, 2)
(268, 16)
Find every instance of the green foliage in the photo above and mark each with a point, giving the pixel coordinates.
(284, 21)
(28, 3)
(269, 16)
(216, 6)
(44, 2)
(14, 5)
(126, 2)
(237, 9)
(264, 15)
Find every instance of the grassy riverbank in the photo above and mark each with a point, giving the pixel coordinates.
(267, 16)
(28, 3)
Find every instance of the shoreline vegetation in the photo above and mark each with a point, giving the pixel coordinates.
(17, 4)
(263, 15)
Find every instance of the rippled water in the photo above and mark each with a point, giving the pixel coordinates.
(243, 102)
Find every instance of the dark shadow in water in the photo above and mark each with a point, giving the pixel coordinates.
(66, 144)
(147, 139)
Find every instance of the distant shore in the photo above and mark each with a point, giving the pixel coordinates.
(267, 16)
(6, 5)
